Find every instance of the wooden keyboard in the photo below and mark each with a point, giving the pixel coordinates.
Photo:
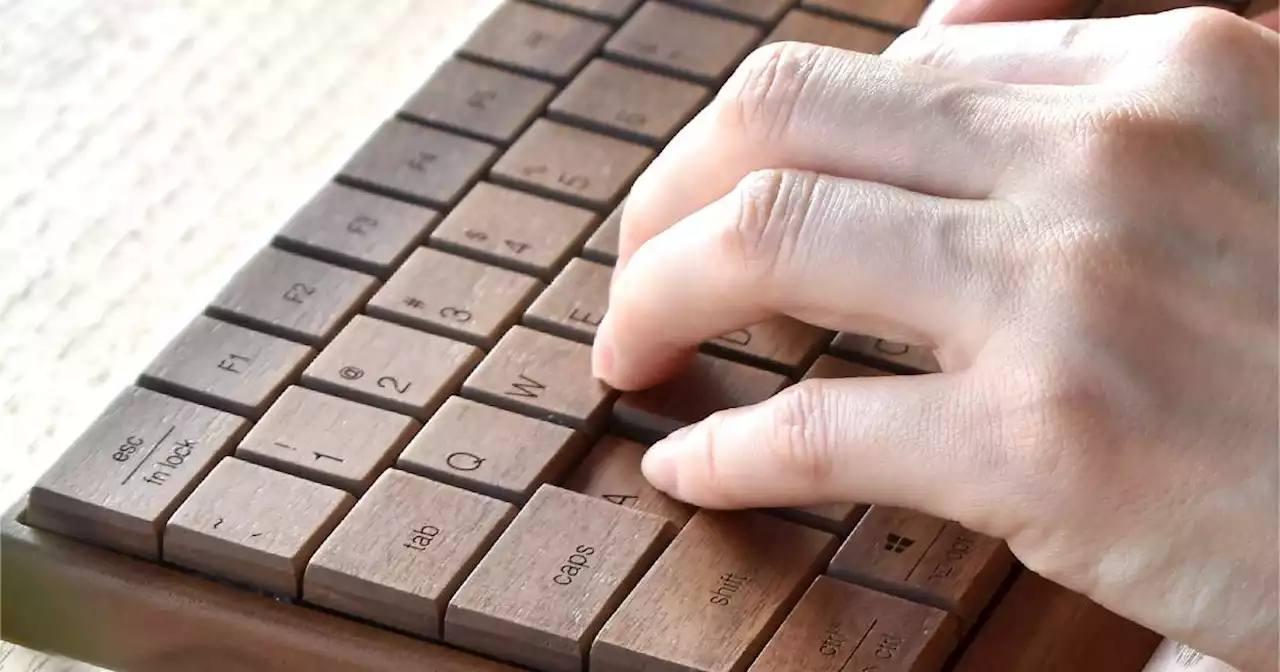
(380, 446)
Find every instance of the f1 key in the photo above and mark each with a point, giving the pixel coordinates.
(539, 597)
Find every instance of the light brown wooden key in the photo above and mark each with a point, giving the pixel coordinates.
(703, 387)
(757, 11)
(327, 439)
(541, 376)
(491, 451)
(602, 246)
(611, 471)
(534, 40)
(453, 296)
(225, 366)
(577, 166)
(780, 343)
(830, 367)
(418, 164)
(539, 597)
(896, 356)
(682, 42)
(622, 100)
(291, 296)
(514, 230)
(893, 13)
(253, 525)
(479, 100)
(714, 597)
(609, 10)
(119, 481)
(404, 549)
(798, 26)
(391, 366)
(574, 304)
(353, 228)
(838, 626)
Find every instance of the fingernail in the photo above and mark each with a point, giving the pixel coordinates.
(937, 11)
(659, 463)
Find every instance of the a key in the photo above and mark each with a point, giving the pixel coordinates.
(574, 304)
(682, 42)
(391, 366)
(224, 366)
(757, 11)
(479, 100)
(838, 626)
(577, 166)
(614, 98)
(798, 26)
(611, 471)
(540, 595)
(514, 230)
(541, 376)
(491, 451)
(353, 228)
(714, 597)
(453, 296)
(536, 41)
(1115, 8)
(896, 357)
(602, 246)
(253, 525)
(827, 366)
(780, 343)
(893, 13)
(402, 552)
(608, 10)
(418, 164)
(703, 387)
(117, 484)
(291, 296)
(327, 439)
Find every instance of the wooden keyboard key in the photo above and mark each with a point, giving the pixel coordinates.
(454, 297)
(798, 26)
(253, 525)
(402, 552)
(837, 626)
(491, 451)
(780, 343)
(574, 304)
(391, 366)
(353, 228)
(827, 366)
(476, 99)
(541, 376)
(1117, 8)
(514, 230)
(611, 471)
(896, 356)
(602, 246)
(119, 481)
(608, 10)
(291, 296)
(581, 167)
(705, 386)
(757, 11)
(418, 164)
(897, 14)
(227, 367)
(714, 597)
(327, 439)
(885, 548)
(960, 572)
(536, 41)
(613, 98)
(540, 595)
(682, 42)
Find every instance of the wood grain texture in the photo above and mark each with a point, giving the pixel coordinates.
(682, 42)
(611, 471)
(781, 343)
(799, 26)
(635, 104)
(577, 166)
(602, 246)
(418, 164)
(546, 43)
(478, 100)
(877, 351)
(575, 303)
(895, 13)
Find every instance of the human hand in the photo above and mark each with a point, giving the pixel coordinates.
(1087, 234)
(978, 11)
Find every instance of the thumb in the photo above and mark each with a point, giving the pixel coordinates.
(983, 11)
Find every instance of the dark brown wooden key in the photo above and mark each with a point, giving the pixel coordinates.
(611, 471)
(706, 385)
(227, 367)
(574, 304)
(827, 366)
(402, 552)
(491, 451)
(577, 166)
(798, 26)
(535, 40)
(1114, 8)
(476, 99)
(118, 483)
(291, 296)
(682, 42)
(893, 13)
(418, 164)
(838, 626)
(514, 230)
(539, 597)
(758, 11)
(602, 246)
(356, 229)
(455, 297)
(253, 525)
(780, 343)
(714, 597)
(896, 357)
(622, 100)
(541, 376)
(609, 10)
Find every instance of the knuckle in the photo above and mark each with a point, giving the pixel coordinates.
(1196, 31)
(762, 96)
(798, 431)
(768, 229)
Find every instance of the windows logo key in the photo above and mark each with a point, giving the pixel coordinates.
(897, 544)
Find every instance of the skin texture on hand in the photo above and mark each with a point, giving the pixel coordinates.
(1080, 216)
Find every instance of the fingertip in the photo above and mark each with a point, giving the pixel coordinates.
(659, 465)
